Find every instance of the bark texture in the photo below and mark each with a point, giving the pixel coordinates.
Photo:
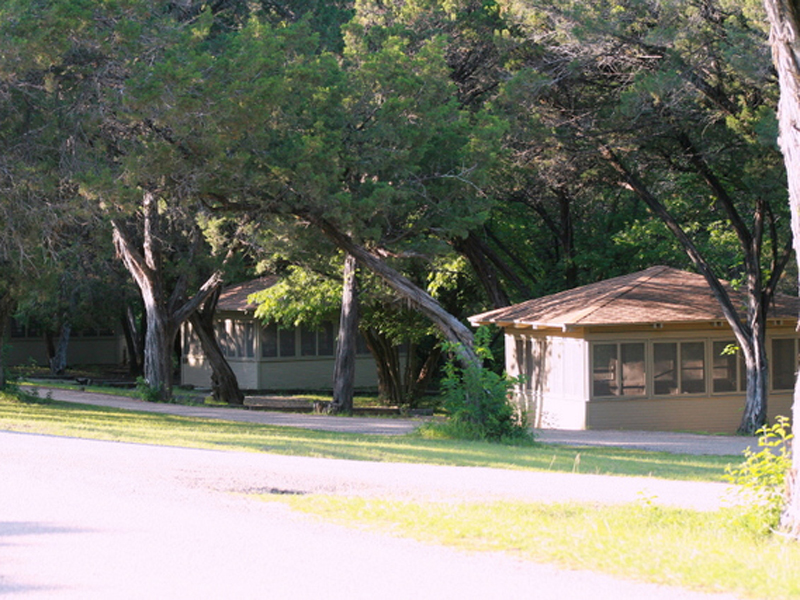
(451, 328)
(224, 385)
(784, 20)
(58, 352)
(344, 370)
(165, 313)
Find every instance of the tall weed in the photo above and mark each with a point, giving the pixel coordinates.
(762, 477)
(477, 401)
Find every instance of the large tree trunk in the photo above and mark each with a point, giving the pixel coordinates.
(224, 385)
(451, 328)
(784, 19)
(158, 342)
(58, 357)
(344, 370)
(164, 313)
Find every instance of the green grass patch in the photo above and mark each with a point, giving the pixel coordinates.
(706, 551)
(41, 415)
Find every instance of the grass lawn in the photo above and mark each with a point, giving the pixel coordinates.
(40, 415)
(710, 551)
(704, 551)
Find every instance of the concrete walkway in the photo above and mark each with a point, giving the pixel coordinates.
(679, 443)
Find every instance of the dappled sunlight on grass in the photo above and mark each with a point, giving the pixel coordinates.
(41, 415)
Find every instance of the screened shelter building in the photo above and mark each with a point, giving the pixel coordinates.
(650, 351)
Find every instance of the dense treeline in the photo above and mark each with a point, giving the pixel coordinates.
(465, 154)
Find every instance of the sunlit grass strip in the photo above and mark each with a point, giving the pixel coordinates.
(705, 551)
(66, 419)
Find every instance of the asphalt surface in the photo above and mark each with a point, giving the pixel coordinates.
(681, 443)
(85, 520)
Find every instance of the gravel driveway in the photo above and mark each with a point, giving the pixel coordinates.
(84, 519)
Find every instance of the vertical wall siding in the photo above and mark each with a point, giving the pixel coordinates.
(554, 392)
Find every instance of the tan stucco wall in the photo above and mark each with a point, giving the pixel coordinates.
(558, 394)
(715, 414)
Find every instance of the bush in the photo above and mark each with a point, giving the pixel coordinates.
(147, 392)
(477, 401)
(762, 477)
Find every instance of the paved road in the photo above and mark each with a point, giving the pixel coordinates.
(684, 443)
(85, 519)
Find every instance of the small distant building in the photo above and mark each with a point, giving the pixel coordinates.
(641, 351)
(26, 345)
(269, 357)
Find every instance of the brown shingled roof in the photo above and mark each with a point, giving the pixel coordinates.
(656, 295)
(234, 297)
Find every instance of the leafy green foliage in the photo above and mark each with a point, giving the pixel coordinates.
(762, 477)
(147, 392)
(477, 401)
(300, 297)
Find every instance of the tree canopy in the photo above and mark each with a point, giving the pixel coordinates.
(525, 147)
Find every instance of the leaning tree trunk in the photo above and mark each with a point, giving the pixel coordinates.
(344, 370)
(224, 385)
(750, 334)
(757, 378)
(784, 19)
(451, 328)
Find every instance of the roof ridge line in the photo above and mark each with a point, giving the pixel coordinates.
(613, 295)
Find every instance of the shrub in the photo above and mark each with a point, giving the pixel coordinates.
(762, 477)
(147, 392)
(477, 401)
